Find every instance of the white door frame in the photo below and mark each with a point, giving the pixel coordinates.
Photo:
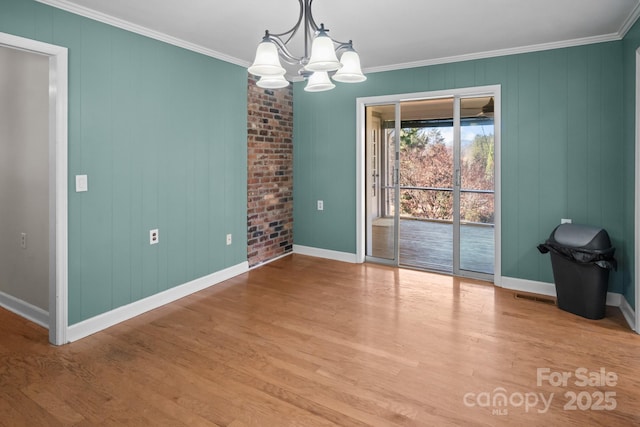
(361, 103)
(372, 167)
(58, 241)
(636, 272)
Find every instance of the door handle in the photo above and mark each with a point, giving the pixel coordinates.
(458, 178)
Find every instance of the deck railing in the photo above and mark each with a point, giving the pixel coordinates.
(389, 203)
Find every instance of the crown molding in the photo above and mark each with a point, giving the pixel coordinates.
(631, 19)
(500, 52)
(139, 29)
(622, 32)
(157, 35)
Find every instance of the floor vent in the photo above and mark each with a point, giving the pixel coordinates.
(536, 298)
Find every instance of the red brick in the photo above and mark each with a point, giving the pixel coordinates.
(270, 172)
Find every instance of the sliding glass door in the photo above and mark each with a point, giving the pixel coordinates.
(475, 195)
(430, 184)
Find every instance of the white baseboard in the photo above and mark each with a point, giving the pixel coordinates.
(269, 261)
(24, 309)
(325, 253)
(120, 314)
(629, 314)
(540, 288)
(614, 300)
(549, 289)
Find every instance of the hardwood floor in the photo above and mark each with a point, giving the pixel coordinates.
(311, 342)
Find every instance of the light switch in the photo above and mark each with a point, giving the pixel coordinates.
(81, 183)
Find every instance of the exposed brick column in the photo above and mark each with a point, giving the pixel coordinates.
(270, 172)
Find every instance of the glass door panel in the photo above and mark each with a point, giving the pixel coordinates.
(426, 184)
(476, 179)
(382, 181)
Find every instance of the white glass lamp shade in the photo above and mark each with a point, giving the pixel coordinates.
(318, 82)
(350, 71)
(267, 62)
(323, 55)
(272, 82)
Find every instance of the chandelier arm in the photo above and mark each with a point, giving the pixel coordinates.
(283, 51)
(297, 26)
(343, 46)
(292, 32)
(307, 17)
(312, 22)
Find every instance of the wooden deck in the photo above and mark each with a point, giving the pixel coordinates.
(429, 245)
(311, 342)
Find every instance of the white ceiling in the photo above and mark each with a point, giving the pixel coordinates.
(387, 34)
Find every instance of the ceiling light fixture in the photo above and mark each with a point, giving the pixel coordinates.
(318, 63)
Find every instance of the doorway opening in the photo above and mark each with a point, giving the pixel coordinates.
(430, 173)
(57, 321)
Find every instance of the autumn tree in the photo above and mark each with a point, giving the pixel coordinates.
(427, 161)
(477, 174)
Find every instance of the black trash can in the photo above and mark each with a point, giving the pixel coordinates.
(581, 257)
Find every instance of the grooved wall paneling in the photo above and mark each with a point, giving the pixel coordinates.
(161, 133)
(562, 149)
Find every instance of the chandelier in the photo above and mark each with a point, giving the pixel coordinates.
(317, 64)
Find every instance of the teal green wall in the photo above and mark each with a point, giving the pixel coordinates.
(631, 43)
(562, 149)
(161, 133)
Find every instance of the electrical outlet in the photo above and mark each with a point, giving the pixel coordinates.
(153, 236)
(229, 240)
(565, 221)
(320, 205)
(23, 240)
(82, 183)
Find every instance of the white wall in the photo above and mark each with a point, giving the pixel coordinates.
(24, 176)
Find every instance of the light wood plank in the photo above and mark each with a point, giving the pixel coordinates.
(312, 342)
